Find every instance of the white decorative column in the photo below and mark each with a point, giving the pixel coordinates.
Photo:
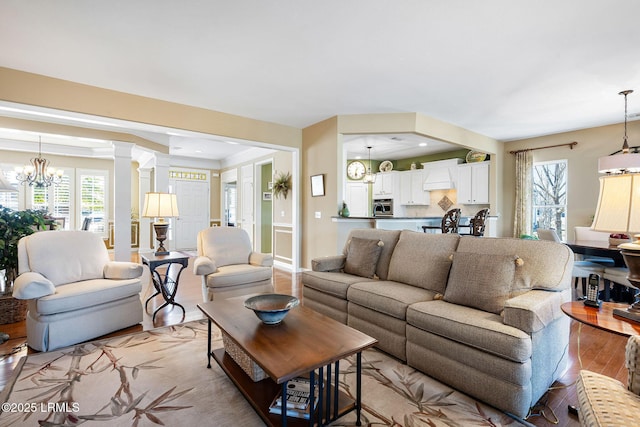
(161, 175)
(146, 234)
(122, 200)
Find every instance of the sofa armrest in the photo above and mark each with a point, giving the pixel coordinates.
(32, 285)
(331, 263)
(122, 270)
(203, 265)
(261, 260)
(534, 310)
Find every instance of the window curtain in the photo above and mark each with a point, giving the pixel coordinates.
(522, 214)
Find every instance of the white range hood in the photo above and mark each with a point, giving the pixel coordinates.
(441, 174)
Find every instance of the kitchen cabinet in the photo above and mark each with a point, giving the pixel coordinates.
(385, 186)
(411, 191)
(357, 198)
(473, 183)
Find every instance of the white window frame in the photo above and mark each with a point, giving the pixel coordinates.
(561, 233)
(78, 203)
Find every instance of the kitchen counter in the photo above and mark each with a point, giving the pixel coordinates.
(346, 224)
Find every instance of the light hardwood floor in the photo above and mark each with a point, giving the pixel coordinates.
(599, 351)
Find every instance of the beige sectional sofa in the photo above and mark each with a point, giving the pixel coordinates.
(479, 314)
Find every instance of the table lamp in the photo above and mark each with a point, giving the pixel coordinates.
(618, 208)
(160, 206)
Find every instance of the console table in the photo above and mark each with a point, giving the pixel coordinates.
(166, 281)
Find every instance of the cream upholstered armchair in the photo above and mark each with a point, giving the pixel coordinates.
(604, 401)
(228, 265)
(75, 291)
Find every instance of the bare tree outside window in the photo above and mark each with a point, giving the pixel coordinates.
(549, 194)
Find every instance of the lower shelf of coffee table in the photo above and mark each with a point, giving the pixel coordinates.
(260, 394)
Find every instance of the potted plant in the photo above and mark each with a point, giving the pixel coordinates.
(282, 185)
(13, 226)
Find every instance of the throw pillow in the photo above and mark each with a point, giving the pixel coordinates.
(362, 257)
(482, 281)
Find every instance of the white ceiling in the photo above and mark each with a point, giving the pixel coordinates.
(502, 68)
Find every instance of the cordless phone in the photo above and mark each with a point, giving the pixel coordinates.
(592, 291)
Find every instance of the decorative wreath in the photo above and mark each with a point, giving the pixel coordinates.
(282, 185)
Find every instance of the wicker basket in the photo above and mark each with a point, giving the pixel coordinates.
(12, 310)
(250, 367)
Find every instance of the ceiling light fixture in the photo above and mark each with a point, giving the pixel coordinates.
(369, 177)
(38, 173)
(623, 161)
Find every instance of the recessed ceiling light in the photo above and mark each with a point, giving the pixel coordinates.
(358, 157)
(423, 144)
(232, 142)
(198, 151)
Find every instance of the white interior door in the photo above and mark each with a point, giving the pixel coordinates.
(193, 206)
(248, 196)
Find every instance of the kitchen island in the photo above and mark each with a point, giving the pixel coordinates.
(345, 225)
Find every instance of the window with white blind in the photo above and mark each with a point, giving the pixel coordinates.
(10, 199)
(93, 203)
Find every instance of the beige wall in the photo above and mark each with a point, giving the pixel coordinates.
(320, 156)
(32, 89)
(582, 163)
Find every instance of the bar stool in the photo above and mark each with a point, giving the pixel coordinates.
(449, 223)
(477, 223)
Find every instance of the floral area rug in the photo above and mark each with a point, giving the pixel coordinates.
(159, 377)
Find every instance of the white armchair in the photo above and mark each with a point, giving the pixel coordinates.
(228, 265)
(75, 291)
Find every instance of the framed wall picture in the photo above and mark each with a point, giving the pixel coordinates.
(267, 195)
(317, 185)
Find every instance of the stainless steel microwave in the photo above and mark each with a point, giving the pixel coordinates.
(383, 207)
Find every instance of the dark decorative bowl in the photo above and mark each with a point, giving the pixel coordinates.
(271, 308)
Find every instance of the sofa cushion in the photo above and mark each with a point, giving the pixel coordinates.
(479, 329)
(480, 280)
(362, 256)
(423, 260)
(225, 245)
(388, 237)
(547, 265)
(335, 284)
(230, 275)
(87, 293)
(48, 250)
(390, 298)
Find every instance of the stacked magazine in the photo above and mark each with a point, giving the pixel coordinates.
(298, 399)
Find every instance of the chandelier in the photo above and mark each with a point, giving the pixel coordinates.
(38, 173)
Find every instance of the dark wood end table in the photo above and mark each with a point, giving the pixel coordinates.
(166, 281)
(602, 318)
(305, 342)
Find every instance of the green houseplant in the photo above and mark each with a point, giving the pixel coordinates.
(282, 185)
(13, 226)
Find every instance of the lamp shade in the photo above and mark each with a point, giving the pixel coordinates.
(619, 163)
(618, 208)
(160, 205)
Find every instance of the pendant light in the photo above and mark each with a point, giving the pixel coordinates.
(369, 177)
(624, 161)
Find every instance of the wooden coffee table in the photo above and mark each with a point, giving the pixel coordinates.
(305, 342)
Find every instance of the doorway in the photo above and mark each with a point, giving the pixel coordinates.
(230, 204)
